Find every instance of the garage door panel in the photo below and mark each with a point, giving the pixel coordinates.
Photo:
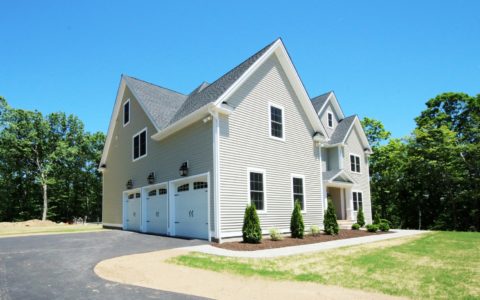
(157, 212)
(191, 211)
(134, 212)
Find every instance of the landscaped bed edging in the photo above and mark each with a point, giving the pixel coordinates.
(288, 241)
(301, 249)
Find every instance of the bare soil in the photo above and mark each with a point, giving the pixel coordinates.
(151, 270)
(30, 223)
(267, 243)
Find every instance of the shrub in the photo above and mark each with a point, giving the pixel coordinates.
(376, 219)
(383, 226)
(360, 218)
(315, 230)
(330, 220)
(296, 222)
(372, 228)
(251, 231)
(356, 226)
(275, 235)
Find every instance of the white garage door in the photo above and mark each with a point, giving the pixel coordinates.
(157, 211)
(134, 212)
(191, 209)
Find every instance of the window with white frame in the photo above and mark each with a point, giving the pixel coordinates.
(126, 112)
(257, 194)
(355, 163)
(276, 122)
(330, 119)
(357, 200)
(140, 145)
(298, 191)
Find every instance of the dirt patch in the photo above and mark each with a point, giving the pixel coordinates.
(11, 229)
(151, 271)
(30, 223)
(288, 241)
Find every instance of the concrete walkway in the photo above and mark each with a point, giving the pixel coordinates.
(286, 251)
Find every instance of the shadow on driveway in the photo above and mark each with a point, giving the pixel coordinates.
(61, 266)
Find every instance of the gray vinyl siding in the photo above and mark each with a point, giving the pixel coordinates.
(332, 159)
(362, 180)
(245, 143)
(324, 118)
(193, 143)
(324, 159)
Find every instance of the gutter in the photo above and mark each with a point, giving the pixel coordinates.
(192, 118)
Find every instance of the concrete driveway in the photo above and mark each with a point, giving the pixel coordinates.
(61, 266)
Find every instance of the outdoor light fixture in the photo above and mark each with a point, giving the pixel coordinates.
(183, 169)
(129, 184)
(151, 178)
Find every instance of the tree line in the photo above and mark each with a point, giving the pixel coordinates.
(428, 180)
(48, 167)
(431, 178)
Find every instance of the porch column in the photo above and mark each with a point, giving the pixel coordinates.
(349, 202)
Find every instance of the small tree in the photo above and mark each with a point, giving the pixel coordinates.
(251, 231)
(360, 217)
(296, 222)
(330, 220)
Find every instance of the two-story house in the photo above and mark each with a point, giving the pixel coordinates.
(188, 164)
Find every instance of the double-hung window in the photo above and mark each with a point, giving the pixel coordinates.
(357, 200)
(298, 191)
(126, 112)
(277, 126)
(330, 119)
(355, 163)
(257, 189)
(140, 145)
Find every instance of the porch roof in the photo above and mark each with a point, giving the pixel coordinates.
(339, 177)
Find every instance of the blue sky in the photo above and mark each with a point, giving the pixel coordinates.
(383, 59)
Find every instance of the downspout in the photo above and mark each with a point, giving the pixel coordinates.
(318, 142)
(216, 171)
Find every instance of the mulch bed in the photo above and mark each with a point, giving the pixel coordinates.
(267, 243)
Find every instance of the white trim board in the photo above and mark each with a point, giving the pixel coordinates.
(264, 177)
(139, 143)
(282, 109)
(292, 176)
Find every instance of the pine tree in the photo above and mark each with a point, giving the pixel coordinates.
(330, 220)
(297, 227)
(252, 233)
(360, 218)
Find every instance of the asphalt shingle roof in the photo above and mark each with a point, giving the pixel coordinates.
(161, 103)
(213, 91)
(329, 175)
(341, 130)
(166, 106)
(319, 101)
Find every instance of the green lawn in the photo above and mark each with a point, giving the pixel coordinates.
(442, 265)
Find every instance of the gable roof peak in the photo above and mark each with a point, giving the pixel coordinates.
(216, 89)
(127, 77)
(199, 88)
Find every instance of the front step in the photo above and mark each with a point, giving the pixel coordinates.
(345, 224)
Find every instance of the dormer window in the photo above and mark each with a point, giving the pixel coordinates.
(126, 112)
(277, 128)
(330, 119)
